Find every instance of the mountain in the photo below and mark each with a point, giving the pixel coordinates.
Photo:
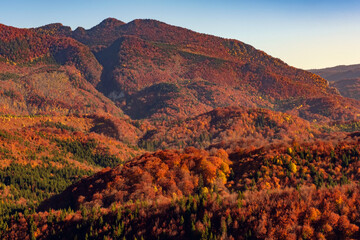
(144, 130)
(345, 78)
(152, 70)
(155, 70)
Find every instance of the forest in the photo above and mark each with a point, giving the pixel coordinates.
(144, 130)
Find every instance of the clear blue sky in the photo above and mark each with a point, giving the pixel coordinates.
(303, 33)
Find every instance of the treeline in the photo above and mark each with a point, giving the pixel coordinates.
(307, 213)
(293, 191)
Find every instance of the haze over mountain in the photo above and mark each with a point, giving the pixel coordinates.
(345, 78)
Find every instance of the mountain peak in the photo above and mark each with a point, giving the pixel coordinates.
(109, 22)
(54, 29)
(53, 25)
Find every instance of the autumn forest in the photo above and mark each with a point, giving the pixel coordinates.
(145, 130)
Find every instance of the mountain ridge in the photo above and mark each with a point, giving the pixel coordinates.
(346, 78)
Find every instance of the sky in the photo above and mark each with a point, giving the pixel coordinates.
(304, 33)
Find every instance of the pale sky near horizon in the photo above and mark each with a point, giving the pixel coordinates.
(303, 33)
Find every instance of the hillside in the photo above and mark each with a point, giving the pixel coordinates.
(41, 74)
(307, 190)
(42, 155)
(226, 127)
(26, 46)
(44, 89)
(42, 151)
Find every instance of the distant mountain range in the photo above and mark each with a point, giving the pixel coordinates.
(337, 73)
(345, 78)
